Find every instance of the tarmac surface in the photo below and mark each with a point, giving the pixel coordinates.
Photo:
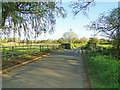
(64, 69)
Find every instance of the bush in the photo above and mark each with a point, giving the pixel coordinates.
(66, 45)
(72, 46)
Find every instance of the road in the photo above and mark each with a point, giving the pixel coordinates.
(64, 69)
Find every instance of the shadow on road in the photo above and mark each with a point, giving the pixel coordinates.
(64, 69)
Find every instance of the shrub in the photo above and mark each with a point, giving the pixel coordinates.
(66, 45)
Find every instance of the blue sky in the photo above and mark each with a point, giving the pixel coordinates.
(77, 23)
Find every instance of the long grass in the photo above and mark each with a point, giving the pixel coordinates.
(103, 70)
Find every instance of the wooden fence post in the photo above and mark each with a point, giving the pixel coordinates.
(40, 48)
(47, 47)
(30, 49)
(12, 51)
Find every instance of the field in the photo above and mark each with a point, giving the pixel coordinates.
(109, 45)
(12, 55)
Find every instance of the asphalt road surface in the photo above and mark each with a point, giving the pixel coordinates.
(64, 69)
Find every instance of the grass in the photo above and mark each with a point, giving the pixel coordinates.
(103, 70)
(22, 54)
(109, 45)
(103, 67)
(27, 50)
(72, 46)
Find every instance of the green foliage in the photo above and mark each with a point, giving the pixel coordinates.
(26, 50)
(70, 36)
(5, 40)
(104, 41)
(61, 40)
(55, 41)
(66, 45)
(77, 45)
(108, 45)
(103, 70)
(71, 45)
(83, 40)
(24, 14)
(94, 41)
(109, 25)
(91, 45)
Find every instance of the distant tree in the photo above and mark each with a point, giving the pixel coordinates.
(38, 41)
(15, 39)
(5, 40)
(75, 40)
(83, 40)
(69, 36)
(55, 41)
(43, 41)
(94, 40)
(102, 40)
(49, 41)
(61, 40)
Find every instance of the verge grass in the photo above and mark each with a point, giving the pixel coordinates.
(103, 69)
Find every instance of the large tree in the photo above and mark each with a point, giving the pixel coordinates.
(109, 25)
(39, 15)
(69, 36)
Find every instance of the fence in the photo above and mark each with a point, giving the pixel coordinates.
(15, 51)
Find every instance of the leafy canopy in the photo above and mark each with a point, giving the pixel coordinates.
(39, 15)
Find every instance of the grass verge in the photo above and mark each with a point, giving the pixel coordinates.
(103, 70)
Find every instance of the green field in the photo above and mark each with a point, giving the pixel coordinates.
(15, 51)
(109, 45)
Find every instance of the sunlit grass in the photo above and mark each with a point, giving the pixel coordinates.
(14, 51)
(109, 45)
(103, 70)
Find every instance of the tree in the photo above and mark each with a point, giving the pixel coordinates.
(38, 41)
(69, 36)
(49, 41)
(61, 40)
(81, 5)
(75, 40)
(109, 25)
(43, 41)
(102, 40)
(83, 40)
(40, 15)
(55, 41)
(5, 40)
(94, 40)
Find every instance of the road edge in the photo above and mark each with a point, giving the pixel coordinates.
(24, 63)
(89, 80)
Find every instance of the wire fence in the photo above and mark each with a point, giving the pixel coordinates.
(15, 51)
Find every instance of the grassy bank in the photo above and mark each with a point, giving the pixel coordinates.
(103, 69)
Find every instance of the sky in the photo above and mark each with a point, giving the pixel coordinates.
(77, 23)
